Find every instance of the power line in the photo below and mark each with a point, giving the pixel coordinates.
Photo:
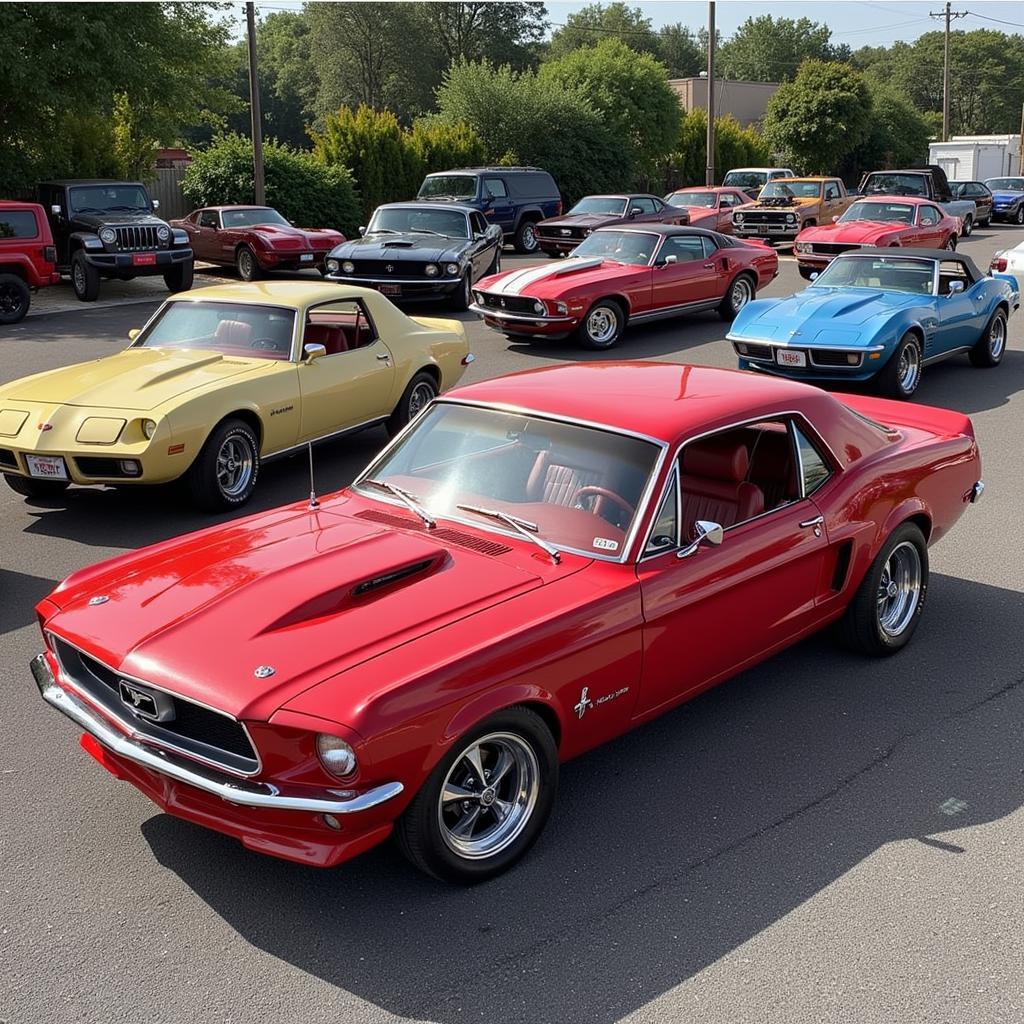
(998, 21)
(948, 14)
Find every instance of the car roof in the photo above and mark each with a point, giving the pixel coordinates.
(657, 228)
(486, 170)
(237, 206)
(17, 204)
(658, 400)
(292, 294)
(882, 197)
(434, 203)
(65, 182)
(942, 255)
(731, 169)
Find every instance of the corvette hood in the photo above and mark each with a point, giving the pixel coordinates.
(564, 277)
(137, 378)
(422, 248)
(819, 314)
(307, 594)
(861, 231)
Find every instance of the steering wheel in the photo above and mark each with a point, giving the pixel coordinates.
(268, 344)
(602, 494)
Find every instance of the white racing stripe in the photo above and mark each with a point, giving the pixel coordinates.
(521, 279)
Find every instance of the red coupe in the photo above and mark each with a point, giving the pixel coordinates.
(879, 221)
(710, 207)
(536, 565)
(621, 275)
(255, 240)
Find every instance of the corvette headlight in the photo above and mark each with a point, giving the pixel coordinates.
(332, 266)
(335, 755)
(108, 236)
(431, 270)
(348, 267)
(451, 269)
(790, 218)
(149, 428)
(163, 233)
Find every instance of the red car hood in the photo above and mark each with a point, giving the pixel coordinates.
(304, 592)
(863, 232)
(284, 236)
(551, 281)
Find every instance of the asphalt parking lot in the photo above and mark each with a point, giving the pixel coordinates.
(820, 839)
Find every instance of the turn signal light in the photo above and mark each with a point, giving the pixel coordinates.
(998, 264)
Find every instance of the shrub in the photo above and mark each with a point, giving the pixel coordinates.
(734, 147)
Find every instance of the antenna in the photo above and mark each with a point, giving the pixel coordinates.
(313, 503)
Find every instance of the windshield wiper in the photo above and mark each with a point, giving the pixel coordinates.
(130, 209)
(522, 526)
(406, 498)
(427, 231)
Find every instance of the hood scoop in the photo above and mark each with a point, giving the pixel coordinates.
(398, 243)
(443, 533)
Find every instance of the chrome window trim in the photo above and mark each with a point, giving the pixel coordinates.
(366, 312)
(642, 506)
(673, 474)
(143, 737)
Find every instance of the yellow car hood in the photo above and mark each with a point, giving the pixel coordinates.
(137, 378)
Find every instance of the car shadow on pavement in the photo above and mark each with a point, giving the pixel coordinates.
(672, 846)
(19, 595)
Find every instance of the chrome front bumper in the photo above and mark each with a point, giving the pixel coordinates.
(531, 318)
(245, 794)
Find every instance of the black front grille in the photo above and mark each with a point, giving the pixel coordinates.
(136, 237)
(510, 303)
(832, 248)
(390, 268)
(562, 234)
(749, 351)
(827, 357)
(98, 466)
(764, 218)
(194, 730)
(8, 459)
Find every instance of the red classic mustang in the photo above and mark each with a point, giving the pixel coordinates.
(878, 221)
(536, 565)
(621, 275)
(255, 239)
(710, 207)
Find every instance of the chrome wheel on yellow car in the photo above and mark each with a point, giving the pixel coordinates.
(225, 471)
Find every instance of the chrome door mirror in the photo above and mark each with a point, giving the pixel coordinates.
(668, 261)
(707, 533)
(314, 351)
(156, 204)
(362, 229)
(955, 287)
(134, 333)
(835, 219)
(55, 209)
(634, 211)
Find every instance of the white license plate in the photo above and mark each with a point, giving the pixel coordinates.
(390, 289)
(48, 467)
(787, 357)
(764, 229)
(306, 257)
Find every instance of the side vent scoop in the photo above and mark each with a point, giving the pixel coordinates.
(395, 576)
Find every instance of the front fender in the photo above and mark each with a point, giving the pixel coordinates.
(490, 702)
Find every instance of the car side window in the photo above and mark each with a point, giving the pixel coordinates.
(685, 248)
(479, 224)
(814, 470)
(728, 199)
(709, 246)
(208, 219)
(496, 187)
(665, 532)
(340, 326)
(950, 271)
(18, 224)
(644, 204)
(831, 190)
(929, 215)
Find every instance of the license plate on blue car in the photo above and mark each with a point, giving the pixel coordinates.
(789, 357)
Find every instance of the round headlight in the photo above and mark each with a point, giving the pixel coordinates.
(790, 218)
(479, 296)
(332, 266)
(335, 755)
(107, 235)
(149, 428)
(163, 233)
(451, 269)
(348, 266)
(431, 270)
(538, 307)
(738, 217)
(587, 231)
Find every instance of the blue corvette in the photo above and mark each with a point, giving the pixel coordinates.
(879, 315)
(1007, 198)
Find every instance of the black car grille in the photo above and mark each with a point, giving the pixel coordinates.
(136, 237)
(7, 458)
(828, 357)
(390, 268)
(509, 303)
(763, 217)
(749, 351)
(101, 466)
(560, 234)
(194, 730)
(831, 248)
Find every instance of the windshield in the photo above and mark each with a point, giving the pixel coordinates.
(104, 198)
(745, 179)
(237, 329)
(902, 213)
(542, 471)
(708, 200)
(450, 186)
(890, 274)
(1005, 184)
(897, 184)
(632, 247)
(246, 218)
(600, 204)
(789, 189)
(423, 219)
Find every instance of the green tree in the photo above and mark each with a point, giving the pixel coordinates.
(735, 146)
(680, 51)
(440, 146)
(821, 116)
(504, 33)
(591, 24)
(767, 49)
(299, 186)
(632, 93)
(897, 135)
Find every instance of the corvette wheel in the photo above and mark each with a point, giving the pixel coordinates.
(14, 299)
(901, 375)
(29, 488)
(487, 801)
(968, 226)
(989, 348)
(421, 391)
(740, 292)
(887, 605)
(245, 261)
(603, 325)
(224, 474)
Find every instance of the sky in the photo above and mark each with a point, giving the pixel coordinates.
(854, 22)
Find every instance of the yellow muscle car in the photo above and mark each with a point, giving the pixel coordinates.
(220, 379)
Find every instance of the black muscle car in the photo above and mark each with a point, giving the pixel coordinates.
(419, 251)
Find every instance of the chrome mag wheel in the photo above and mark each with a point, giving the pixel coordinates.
(529, 237)
(899, 589)
(909, 370)
(420, 397)
(235, 465)
(740, 293)
(997, 338)
(602, 325)
(488, 795)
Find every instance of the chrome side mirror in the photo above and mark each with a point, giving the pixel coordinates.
(835, 219)
(707, 533)
(362, 229)
(313, 351)
(815, 275)
(56, 209)
(668, 261)
(156, 204)
(955, 287)
(134, 333)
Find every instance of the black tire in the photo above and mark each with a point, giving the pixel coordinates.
(968, 226)
(463, 295)
(806, 273)
(1019, 217)
(247, 265)
(951, 243)
(424, 832)
(419, 393)
(742, 289)
(215, 480)
(14, 299)
(31, 488)
(525, 241)
(896, 379)
(179, 277)
(602, 326)
(989, 348)
(862, 628)
(85, 278)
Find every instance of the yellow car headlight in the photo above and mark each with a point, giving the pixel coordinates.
(149, 428)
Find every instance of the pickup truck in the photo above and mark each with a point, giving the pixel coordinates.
(788, 205)
(926, 183)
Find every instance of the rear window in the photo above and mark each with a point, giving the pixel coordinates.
(18, 224)
(532, 184)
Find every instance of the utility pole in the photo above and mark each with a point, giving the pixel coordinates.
(259, 193)
(709, 174)
(948, 15)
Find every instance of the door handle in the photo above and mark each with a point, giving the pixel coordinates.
(709, 266)
(816, 521)
(384, 356)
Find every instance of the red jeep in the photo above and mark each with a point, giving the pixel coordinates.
(28, 259)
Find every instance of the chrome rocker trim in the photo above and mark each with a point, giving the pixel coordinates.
(245, 795)
(536, 318)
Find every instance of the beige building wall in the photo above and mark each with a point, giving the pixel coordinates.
(746, 101)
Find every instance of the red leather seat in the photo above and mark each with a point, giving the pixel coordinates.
(773, 468)
(233, 333)
(715, 486)
(331, 336)
(556, 482)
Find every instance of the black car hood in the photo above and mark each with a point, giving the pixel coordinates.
(416, 247)
(116, 217)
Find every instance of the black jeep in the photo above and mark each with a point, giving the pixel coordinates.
(108, 229)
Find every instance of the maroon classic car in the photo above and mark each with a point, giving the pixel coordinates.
(558, 235)
(255, 239)
(626, 274)
(711, 206)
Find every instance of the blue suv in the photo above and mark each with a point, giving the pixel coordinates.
(514, 198)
